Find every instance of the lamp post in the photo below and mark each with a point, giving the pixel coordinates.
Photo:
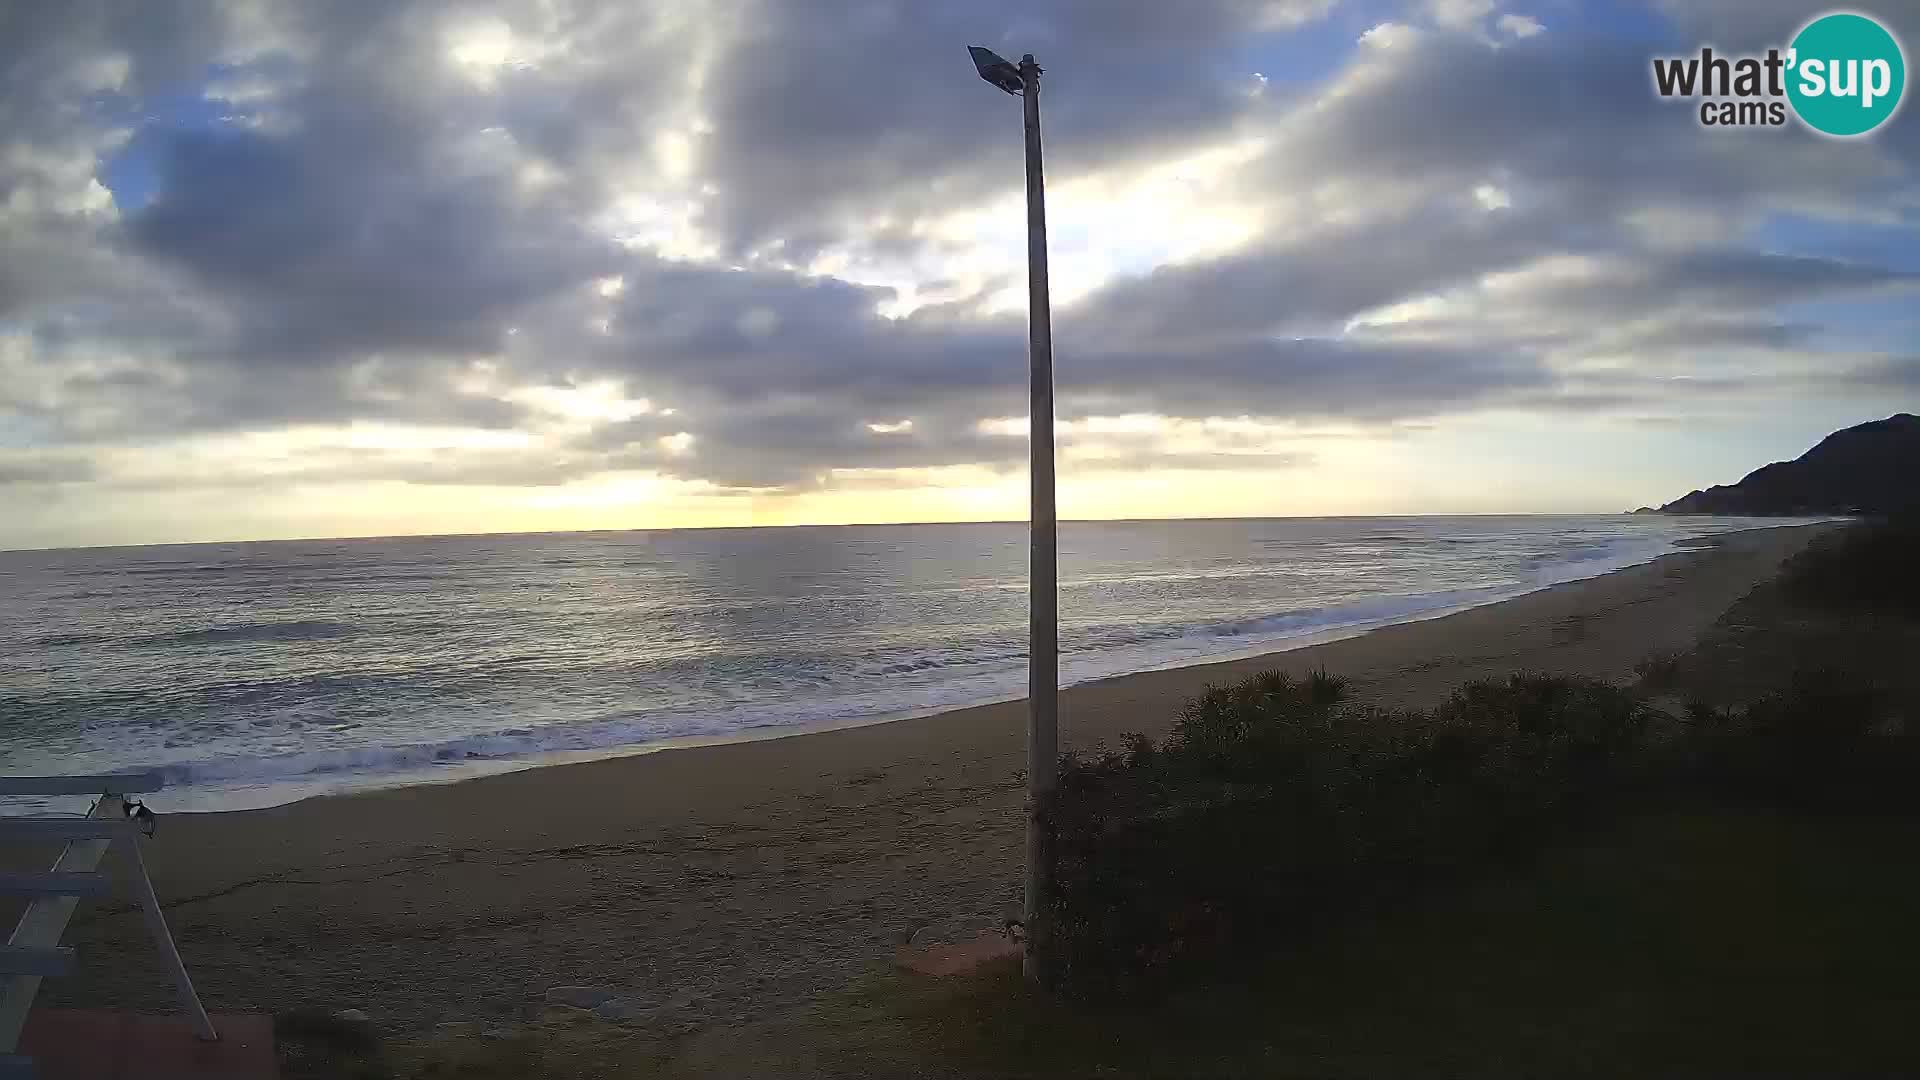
(1043, 647)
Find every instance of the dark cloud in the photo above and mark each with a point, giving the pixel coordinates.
(1684, 332)
(339, 254)
(779, 377)
(44, 470)
(846, 113)
(798, 443)
(391, 214)
(381, 233)
(1570, 129)
(1311, 283)
(1154, 460)
(69, 75)
(1758, 24)
(1308, 379)
(332, 253)
(1892, 374)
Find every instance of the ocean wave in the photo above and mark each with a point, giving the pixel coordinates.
(179, 571)
(1084, 646)
(936, 661)
(845, 684)
(989, 675)
(1384, 609)
(360, 767)
(292, 630)
(61, 641)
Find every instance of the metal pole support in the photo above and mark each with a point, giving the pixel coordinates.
(1043, 664)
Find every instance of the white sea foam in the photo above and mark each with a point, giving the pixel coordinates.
(292, 748)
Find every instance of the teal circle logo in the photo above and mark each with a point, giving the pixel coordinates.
(1846, 74)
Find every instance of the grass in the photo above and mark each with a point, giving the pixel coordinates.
(1660, 671)
(1867, 568)
(1848, 605)
(1696, 942)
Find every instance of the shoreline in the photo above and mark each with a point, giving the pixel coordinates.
(217, 798)
(731, 879)
(482, 769)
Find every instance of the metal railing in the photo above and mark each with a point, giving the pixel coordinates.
(34, 951)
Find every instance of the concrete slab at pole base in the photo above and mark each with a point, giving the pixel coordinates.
(92, 1044)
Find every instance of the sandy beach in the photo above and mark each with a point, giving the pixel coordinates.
(729, 881)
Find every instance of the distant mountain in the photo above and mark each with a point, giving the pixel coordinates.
(1870, 469)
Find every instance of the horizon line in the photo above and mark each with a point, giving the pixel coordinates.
(798, 525)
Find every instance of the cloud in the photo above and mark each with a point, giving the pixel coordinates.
(1459, 14)
(786, 406)
(392, 212)
(1520, 26)
(1894, 374)
(1742, 24)
(380, 253)
(18, 469)
(829, 116)
(792, 227)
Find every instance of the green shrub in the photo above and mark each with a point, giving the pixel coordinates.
(1661, 671)
(1274, 804)
(1830, 741)
(1869, 567)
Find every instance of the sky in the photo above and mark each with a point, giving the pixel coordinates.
(379, 267)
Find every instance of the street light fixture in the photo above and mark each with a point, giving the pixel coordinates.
(1043, 648)
(997, 70)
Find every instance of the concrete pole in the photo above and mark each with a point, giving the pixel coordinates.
(1043, 663)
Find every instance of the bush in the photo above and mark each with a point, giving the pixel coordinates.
(1661, 672)
(1274, 804)
(1870, 567)
(1831, 741)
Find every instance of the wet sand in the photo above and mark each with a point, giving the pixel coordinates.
(728, 881)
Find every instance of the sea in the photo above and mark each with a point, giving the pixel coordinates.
(256, 674)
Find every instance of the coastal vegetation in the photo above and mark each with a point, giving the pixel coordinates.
(1276, 805)
(1697, 873)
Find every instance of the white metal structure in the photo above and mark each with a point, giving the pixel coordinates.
(34, 951)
